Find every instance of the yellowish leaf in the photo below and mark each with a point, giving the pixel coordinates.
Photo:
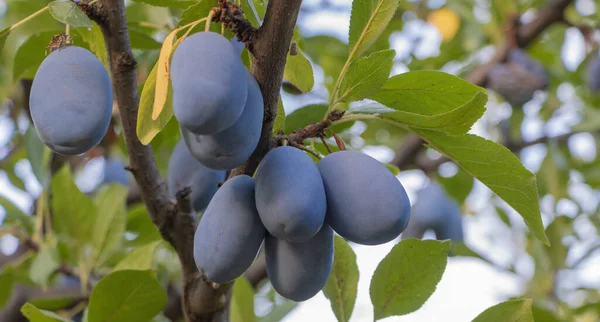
(446, 21)
(162, 76)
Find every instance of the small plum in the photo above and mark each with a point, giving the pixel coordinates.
(71, 101)
(230, 232)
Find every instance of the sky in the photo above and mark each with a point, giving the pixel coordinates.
(468, 285)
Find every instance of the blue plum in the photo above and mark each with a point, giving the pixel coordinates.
(517, 79)
(366, 203)
(230, 232)
(209, 83)
(232, 147)
(185, 171)
(435, 210)
(298, 271)
(114, 172)
(71, 101)
(290, 196)
(594, 73)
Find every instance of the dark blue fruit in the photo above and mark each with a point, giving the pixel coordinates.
(517, 79)
(366, 203)
(435, 210)
(114, 172)
(185, 171)
(230, 148)
(238, 45)
(298, 271)
(71, 101)
(209, 83)
(230, 233)
(290, 196)
(594, 73)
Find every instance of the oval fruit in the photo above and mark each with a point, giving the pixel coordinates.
(71, 101)
(298, 271)
(231, 148)
(185, 171)
(230, 232)
(209, 83)
(290, 196)
(366, 203)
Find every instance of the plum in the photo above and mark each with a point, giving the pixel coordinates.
(366, 203)
(435, 210)
(298, 271)
(517, 79)
(290, 196)
(230, 148)
(594, 73)
(185, 171)
(230, 232)
(71, 101)
(114, 172)
(209, 83)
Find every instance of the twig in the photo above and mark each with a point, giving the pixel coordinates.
(305, 149)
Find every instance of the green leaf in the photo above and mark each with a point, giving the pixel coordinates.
(304, 116)
(366, 75)
(249, 6)
(509, 311)
(368, 20)
(15, 217)
(140, 224)
(128, 295)
(109, 226)
(98, 46)
(299, 72)
(279, 312)
(393, 169)
(139, 259)
(458, 186)
(68, 13)
(242, 301)
(33, 314)
(31, 53)
(39, 156)
(279, 124)
(432, 100)
(496, 167)
(3, 35)
(407, 276)
(198, 10)
(74, 213)
(147, 128)
(6, 280)
(176, 4)
(44, 265)
(141, 40)
(342, 285)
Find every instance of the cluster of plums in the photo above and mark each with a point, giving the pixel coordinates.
(216, 100)
(293, 206)
(518, 78)
(71, 101)
(435, 210)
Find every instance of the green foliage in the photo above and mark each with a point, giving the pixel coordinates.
(34, 314)
(407, 276)
(366, 76)
(68, 13)
(367, 22)
(126, 295)
(509, 311)
(140, 258)
(342, 285)
(242, 301)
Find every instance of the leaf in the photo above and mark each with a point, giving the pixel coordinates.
(176, 4)
(109, 226)
(98, 46)
(279, 312)
(146, 127)
(68, 13)
(198, 10)
(496, 167)
(366, 75)
(39, 156)
(74, 212)
(33, 314)
(140, 224)
(432, 100)
(299, 72)
(304, 116)
(279, 124)
(44, 265)
(15, 217)
(249, 6)
(30, 54)
(140, 40)
(407, 276)
(163, 80)
(4, 33)
(342, 285)
(128, 295)
(368, 20)
(242, 301)
(393, 169)
(139, 259)
(6, 280)
(509, 311)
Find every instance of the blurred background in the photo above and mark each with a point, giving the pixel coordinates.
(555, 134)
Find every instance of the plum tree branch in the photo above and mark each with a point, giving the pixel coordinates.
(525, 35)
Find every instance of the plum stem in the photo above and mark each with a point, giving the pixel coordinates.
(30, 17)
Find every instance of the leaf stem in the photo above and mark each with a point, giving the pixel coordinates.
(208, 20)
(356, 117)
(303, 148)
(92, 2)
(33, 15)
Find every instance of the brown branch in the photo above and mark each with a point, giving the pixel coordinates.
(525, 35)
(270, 45)
(312, 130)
